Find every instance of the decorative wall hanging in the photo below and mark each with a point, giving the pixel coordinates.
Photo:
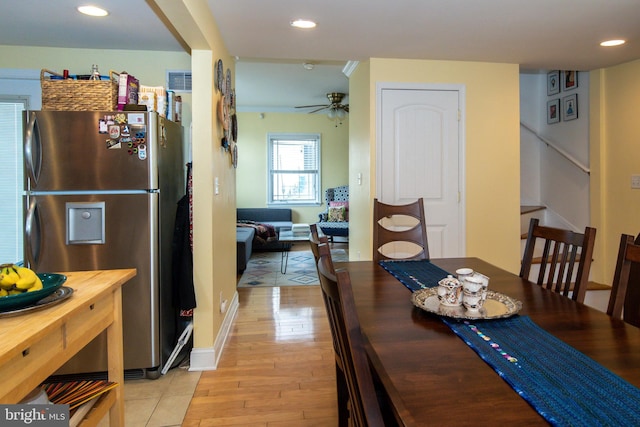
(553, 111)
(219, 75)
(570, 107)
(553, 82)
(569, 80)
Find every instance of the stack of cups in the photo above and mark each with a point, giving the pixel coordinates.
(474, 288)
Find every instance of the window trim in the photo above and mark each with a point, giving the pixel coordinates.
(293, 136)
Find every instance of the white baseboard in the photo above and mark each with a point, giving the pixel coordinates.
(206, 359)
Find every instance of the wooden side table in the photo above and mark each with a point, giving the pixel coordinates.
(34, 345)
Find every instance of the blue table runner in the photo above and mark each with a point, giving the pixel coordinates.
(566, 387)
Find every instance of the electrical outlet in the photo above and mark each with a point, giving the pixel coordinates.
(635, 181)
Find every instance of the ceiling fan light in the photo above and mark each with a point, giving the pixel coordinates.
(331, 114)
(340, 113)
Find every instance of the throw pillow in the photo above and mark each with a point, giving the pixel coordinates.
(345, 205)
(336, 214)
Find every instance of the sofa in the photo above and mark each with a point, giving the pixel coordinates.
(247, 241)
(334, 221)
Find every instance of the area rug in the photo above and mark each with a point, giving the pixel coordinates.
(263, 269)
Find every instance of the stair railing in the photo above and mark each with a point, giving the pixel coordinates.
(560, 151)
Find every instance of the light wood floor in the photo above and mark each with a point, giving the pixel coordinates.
(277, 368)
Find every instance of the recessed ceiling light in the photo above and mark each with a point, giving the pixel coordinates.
(92, 11)
(303, 23)
(612, 43)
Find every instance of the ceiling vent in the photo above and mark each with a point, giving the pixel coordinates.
(179, 80)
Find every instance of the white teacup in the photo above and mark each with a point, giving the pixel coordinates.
(485, 284)
(472, 302)
(474, 292)
(461, 273)
(450, 291)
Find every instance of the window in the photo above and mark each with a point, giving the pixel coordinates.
(11, 108)
(294, 169)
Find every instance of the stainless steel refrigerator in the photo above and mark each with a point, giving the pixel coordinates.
(101, 191)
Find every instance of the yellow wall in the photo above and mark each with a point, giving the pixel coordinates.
(492, 150)
(214, 242)
(252, 154)
(361, 137)
(615, 150)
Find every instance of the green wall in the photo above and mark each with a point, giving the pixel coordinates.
(251, 174)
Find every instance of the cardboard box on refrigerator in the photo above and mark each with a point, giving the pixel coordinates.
(128, 87)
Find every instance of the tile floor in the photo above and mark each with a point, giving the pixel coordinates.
(158, 403)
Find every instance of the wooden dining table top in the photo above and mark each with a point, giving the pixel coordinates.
(432, 377)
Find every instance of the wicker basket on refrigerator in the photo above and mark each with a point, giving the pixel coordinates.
(78, 95)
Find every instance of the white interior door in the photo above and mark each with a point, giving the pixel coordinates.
(420, 154)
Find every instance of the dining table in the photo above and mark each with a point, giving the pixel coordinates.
(437, 370)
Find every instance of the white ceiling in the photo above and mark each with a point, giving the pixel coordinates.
(538, 35)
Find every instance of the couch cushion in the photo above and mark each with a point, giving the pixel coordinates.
(337, 214)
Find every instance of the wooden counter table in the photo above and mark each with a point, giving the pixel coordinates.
(35, 344)
(433, 378)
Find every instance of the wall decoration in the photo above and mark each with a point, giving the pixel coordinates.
(570, 107)
(569, 80)
(553, 82)
(219, 75)
(553, 111)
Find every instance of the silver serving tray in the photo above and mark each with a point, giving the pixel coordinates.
(496, 306)
(59, 295)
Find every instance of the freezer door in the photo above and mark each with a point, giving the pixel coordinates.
(103, 231)
(90, 150)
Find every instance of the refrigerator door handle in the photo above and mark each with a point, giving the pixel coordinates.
(32, 234)
(32, 150)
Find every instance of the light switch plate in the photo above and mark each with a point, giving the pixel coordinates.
(635, 181)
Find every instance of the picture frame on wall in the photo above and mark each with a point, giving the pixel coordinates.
(553, 111)
(570, 107)
(553, 82)
(569, 80)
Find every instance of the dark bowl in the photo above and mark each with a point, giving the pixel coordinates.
(50, 283)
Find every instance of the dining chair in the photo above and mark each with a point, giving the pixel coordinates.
(319, 245)
(624, 302)
(364, 408)
(562, 250)
(399, 231)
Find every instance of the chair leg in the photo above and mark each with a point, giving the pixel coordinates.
(343, 398)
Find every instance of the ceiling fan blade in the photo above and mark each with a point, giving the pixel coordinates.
(311, 106)
(319, 109)
(346, 108)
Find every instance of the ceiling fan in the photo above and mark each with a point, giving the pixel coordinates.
(336, 109)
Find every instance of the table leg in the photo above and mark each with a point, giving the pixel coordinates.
(285, 257)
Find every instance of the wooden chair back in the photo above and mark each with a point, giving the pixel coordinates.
(624, 302)
(345, 328)
(562, 250)
(319, 245)
(409, 241)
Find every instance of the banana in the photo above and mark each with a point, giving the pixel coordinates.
(27, 278)
(9, 276)
(3, 292)
(36, 286)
